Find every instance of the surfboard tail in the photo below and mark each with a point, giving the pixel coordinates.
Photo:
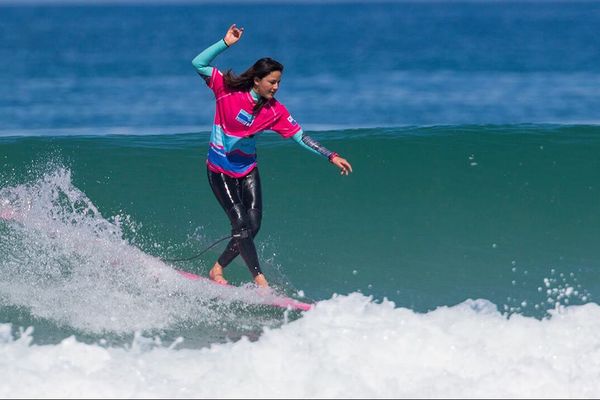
(188, 275)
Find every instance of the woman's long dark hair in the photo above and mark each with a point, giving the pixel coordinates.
(245, 81)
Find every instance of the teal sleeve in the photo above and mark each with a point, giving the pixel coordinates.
(202, 61)
(312, 145)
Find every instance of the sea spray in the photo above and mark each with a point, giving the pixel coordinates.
(67, 264)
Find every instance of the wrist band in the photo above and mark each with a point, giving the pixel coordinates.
(332, 156)
(225, 42)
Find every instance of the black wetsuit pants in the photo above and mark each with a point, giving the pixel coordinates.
(242, 201)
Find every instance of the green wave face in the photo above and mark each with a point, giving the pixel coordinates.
(429, 217)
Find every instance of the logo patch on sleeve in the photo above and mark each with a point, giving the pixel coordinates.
(292, 121)
(244, 118)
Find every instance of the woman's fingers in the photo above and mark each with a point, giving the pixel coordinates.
(348, 166)
(342, 164)
(237, 32)
(233, 34)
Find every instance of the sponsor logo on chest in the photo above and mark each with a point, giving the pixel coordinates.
(244, 118)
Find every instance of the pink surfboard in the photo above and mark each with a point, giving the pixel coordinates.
(277, 301)
(8, 214)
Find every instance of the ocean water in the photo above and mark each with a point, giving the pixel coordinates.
(459, 259)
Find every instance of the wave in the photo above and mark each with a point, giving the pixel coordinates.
(348, 346)
(89, 309)
(431, 216)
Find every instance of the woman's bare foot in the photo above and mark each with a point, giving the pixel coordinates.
(216, 274)
(261, 281)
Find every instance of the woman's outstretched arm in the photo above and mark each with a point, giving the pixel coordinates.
(312, 145)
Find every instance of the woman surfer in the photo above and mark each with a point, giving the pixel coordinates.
(246, 106)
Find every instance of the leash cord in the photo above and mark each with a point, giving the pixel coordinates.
(199, 254)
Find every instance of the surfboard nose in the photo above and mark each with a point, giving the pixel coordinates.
(7, 213)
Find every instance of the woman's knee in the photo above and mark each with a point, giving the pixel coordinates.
(245, 220)
(254, 220)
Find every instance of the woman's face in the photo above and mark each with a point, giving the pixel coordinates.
(267, 86)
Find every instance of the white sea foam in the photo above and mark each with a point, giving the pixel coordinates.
(65, 263)
(348, 346)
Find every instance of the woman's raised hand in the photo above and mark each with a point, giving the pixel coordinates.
(233, 35)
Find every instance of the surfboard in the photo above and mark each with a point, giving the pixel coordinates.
(270, 300)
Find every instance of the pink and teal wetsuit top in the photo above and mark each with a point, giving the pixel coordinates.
(232, 148)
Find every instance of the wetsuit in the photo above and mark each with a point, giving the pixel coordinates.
(231, 161)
